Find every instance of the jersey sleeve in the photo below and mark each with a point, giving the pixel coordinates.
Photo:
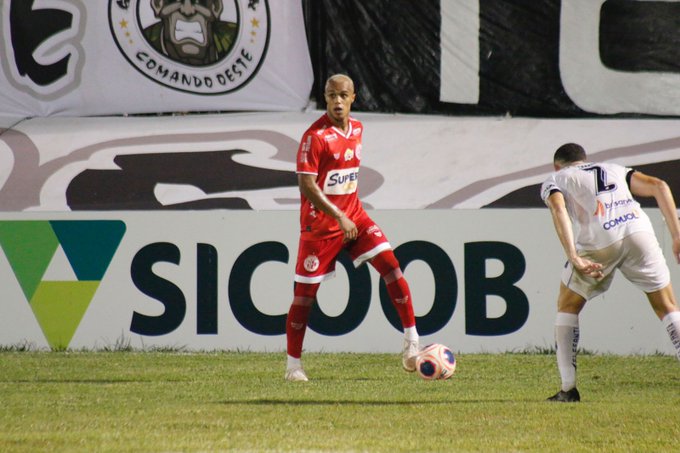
(629, 175)
(548, 188)
(308, 154)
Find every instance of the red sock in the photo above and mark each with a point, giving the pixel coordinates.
(400, 294)
(388, 267)
(296, 325)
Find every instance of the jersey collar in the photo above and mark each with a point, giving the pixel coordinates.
(340, 131)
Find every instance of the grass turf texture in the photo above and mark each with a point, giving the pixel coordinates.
(165, 401)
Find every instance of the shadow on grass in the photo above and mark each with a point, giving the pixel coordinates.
(76, 381)
(339, 402)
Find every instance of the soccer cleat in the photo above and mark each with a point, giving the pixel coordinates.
(409, 355)
(296, 375)
(571, 396)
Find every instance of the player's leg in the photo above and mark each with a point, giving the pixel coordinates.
(372, 245)
(666, 308)
(569, 305)
(315, 263)
(397, 287)
(646, 268)
(296, 326)
(575, 290)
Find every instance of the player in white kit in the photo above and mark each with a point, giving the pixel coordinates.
(602, 228)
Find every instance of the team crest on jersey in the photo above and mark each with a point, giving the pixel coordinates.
(311, 263)
(336, 156)
(375, 231)
(201, 47)
(349, 154)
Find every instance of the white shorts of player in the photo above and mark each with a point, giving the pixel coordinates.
(638, 257)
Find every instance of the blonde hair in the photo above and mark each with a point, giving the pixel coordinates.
(337, 78)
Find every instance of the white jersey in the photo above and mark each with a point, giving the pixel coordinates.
(599, 202)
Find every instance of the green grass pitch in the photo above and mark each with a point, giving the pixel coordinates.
(164, 401)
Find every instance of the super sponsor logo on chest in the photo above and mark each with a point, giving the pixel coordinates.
(343, 181)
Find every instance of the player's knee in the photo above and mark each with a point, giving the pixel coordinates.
(303, 292)
(663, 301)
(386, 264)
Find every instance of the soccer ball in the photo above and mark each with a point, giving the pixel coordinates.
(435, 361)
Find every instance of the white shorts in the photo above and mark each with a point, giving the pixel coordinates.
(638, 257)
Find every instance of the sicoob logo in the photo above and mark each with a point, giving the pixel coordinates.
(32, 249)
(199, 46)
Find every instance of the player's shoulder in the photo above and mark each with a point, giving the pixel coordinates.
(357, 126)
(551, 178)
(549, 186)
(319, 128)
(314, 133)
(355, 122)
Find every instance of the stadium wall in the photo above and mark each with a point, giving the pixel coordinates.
(481, 280)
(88, 201)
(247, 160)
(105, 243)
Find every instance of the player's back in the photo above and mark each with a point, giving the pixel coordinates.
(599, 201)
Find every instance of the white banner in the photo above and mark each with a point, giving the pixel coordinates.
(77, 58)
(247, 160)
(481, 281)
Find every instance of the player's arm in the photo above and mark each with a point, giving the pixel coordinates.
(311, 190)
(565, 233)
(649, 186)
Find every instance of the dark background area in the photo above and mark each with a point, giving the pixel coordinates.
(391, 49)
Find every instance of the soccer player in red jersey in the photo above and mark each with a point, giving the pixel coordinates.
(332, 219)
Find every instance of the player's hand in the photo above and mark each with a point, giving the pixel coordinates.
(348, 228)
(587, 267)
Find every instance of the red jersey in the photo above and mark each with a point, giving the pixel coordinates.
(334, 157)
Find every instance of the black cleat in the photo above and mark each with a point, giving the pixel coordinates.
(572, 396)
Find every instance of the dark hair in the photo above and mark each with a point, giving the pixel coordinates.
(568, 153)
